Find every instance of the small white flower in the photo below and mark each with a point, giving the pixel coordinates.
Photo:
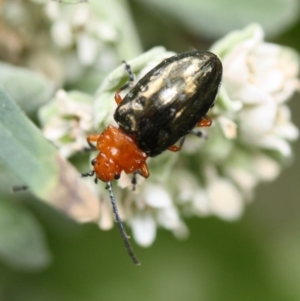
(144, 228)
(228, 127)
(81, 17)
(62, 34)
(106, 32)
(87, 49)
(67, 120)
(265, 168)
(156, 196)
(224, 198)
(86, 40)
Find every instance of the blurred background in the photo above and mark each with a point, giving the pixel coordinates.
(255, 258)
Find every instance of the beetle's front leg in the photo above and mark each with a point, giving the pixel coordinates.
(118, 97)
(92, 138)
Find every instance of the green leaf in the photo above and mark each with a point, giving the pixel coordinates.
(215, 18)
(29, 89)
(27, 154)
(22, 241)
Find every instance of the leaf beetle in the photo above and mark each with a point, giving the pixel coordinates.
(161, 109)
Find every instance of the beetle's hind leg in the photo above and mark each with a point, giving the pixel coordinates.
(130, 82)
(142, 171)
(205, 121)
(176, 148)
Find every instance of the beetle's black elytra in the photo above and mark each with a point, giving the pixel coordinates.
(179, 92)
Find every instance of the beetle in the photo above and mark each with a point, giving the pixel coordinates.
(161, 109)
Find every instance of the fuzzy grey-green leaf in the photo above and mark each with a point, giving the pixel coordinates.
(23, 148)
(27, 154)
(29, 89)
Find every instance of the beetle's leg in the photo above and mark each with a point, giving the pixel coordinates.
(88, 174)
(92, 138)
(204, 121)
(134, 180)
(130, 74)
(175, 148)
(118, 97)
(144, 171)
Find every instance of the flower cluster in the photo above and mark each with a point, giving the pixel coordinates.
(67, 120)
(248, 142)
(86, 40)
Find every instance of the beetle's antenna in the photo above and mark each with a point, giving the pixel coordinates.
(120, 225)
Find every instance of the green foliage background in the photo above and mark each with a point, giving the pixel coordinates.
(46, 256)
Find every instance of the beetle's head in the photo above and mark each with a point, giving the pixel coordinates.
(105, 168)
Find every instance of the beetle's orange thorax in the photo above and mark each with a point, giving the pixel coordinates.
(118, 152)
